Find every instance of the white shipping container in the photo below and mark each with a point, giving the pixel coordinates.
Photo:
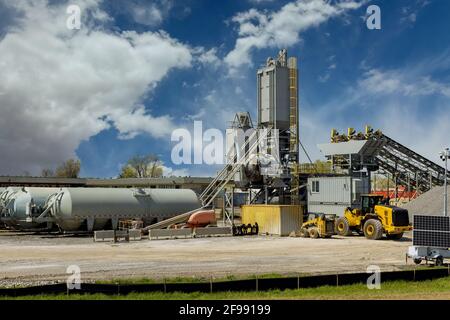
(334, 194)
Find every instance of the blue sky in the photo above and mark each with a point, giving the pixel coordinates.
(113, 101)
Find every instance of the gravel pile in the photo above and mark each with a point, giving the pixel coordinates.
(429, 203)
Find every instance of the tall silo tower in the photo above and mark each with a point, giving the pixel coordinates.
(277, 104)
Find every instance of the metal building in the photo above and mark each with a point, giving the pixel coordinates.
(332, 194)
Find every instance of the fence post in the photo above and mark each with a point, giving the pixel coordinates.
(298, 282)
(337, 280)
(165, 289)
(256, 283)
(210, 285)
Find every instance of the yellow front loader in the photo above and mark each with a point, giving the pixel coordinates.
(318, 225)
(374, 219)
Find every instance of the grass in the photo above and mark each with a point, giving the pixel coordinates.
(430, 289)
(193, 279)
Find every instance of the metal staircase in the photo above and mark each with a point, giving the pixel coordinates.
(226, 175)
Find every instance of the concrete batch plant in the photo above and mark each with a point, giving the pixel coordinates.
(262, 163)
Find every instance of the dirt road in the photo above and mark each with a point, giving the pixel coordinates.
(32, 259)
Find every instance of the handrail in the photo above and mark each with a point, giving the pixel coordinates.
(225, 175)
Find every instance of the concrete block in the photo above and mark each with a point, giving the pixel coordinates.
(213, 231)
(135, 234)
(104, 235)
(169, 233)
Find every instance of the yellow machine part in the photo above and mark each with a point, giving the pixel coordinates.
(384, 214)
(324, 227)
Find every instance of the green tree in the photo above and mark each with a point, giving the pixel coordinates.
(322, 166)
(147, 166)
(128, 172)
(69, 169)
(47, 173)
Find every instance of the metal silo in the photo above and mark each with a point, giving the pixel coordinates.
(73, 208)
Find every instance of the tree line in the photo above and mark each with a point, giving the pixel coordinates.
(139, 166)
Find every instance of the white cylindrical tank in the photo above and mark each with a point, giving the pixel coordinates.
(5, 197)
(71, 208)
(23, 203)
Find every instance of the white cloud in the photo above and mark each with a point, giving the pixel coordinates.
(324, 78)
(395, 81)
(409, 104)
(60, 87)
(258, 29)
(150, 14)
(209, 57)
(170, 172)
(260, 1)
(410, 13)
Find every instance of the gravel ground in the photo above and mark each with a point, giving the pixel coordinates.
(27, 259)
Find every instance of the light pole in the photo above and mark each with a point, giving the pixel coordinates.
(445, 155)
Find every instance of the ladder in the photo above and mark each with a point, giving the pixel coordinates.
(224, 177)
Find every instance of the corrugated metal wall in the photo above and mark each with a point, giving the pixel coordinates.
(338, 210)
(336, 193)
(273, 219)
(331, 190)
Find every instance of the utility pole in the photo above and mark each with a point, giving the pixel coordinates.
(445, 155)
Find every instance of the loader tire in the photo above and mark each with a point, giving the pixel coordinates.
(342, 227)
(304, 233)
(396, 236)
(314, 233)
(373, 229)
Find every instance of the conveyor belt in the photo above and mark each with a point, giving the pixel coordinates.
(403, 162)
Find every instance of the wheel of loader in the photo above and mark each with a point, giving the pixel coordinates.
(314, 233)
(342, 227)
(439, 261)
(396, 236)
(373, 229)
(304, 233)
(417, 261)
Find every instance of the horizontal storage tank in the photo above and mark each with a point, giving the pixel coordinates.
(22, 203)
(278, 220)
(91, 208)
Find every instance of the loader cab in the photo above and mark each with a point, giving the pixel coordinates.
(369, 201)
(312, 216)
